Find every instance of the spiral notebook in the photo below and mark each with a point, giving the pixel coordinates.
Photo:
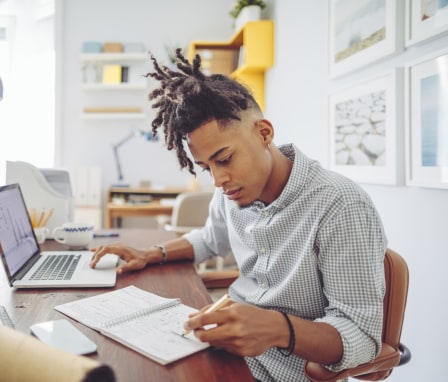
(145, 322)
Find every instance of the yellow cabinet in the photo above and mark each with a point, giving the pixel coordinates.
(246, 57)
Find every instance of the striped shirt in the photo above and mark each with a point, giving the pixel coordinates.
(316, 252)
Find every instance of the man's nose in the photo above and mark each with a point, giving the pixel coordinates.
(220, 177)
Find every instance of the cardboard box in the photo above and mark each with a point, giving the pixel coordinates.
(218, 61)
(113, 47)
(92, 47)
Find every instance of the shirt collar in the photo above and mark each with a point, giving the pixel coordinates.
(297, 178)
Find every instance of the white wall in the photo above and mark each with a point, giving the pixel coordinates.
(27, 127)
(416, 219)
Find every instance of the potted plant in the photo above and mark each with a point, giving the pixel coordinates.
(246, 10)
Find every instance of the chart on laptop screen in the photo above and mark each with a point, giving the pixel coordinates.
(16, 232)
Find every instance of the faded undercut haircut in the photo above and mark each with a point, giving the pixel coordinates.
(187, 98)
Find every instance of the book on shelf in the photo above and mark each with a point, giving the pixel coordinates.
(112, 74)
(145, 322)
(124, 74)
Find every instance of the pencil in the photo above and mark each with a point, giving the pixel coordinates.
(223, 301)
(46, 217)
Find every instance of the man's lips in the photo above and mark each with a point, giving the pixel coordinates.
(233, 194)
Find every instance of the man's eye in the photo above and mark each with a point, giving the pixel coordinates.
(225, 160)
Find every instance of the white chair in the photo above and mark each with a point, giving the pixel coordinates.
(190, 211)
(44, 189)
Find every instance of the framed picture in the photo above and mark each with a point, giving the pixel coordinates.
(362, 32)
(427, 122)
(366, 130)
(7, 26)
(425, 19)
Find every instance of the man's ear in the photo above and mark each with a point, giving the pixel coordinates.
(266, 131)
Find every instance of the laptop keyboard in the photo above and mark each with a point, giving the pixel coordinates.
(57, 267)
(4, 317)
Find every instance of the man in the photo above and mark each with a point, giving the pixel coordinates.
(308, 242)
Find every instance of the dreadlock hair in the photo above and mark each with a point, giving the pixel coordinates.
(187, 98)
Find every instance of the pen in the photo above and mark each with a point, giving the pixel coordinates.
(106, 234)
(223, 301)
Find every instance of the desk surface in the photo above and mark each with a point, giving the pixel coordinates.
(27, 307)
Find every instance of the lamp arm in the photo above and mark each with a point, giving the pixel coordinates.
(147, 135)
(117, 163)
(115, 148)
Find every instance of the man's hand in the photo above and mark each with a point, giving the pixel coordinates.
(241, 329)
(135, 259)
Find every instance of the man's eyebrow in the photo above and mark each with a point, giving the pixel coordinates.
(214, 155)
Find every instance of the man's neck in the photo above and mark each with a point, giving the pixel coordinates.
(281, 171)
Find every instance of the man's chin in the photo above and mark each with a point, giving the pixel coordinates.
(243, 203)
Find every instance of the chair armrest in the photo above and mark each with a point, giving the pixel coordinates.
(219, 279)
(376, 370)
(405, 354)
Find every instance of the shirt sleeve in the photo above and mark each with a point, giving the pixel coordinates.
(213, 239)
(351, 253)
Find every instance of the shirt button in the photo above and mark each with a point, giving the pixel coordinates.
(263, 285)
(263, 250)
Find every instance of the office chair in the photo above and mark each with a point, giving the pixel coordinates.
(190, 211)
(24, 358)
(44, 189)
(393, 353)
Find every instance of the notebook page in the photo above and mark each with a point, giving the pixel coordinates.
(158, 335)
(96, 310)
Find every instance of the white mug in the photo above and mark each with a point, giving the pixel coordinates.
(41, 234)
(75, 235)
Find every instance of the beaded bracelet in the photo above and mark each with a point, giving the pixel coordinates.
(292, 339)
(164, 255)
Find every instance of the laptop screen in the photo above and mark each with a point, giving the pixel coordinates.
(17, 241)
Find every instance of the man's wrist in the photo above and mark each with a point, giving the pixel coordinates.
(289, 350)
(162, 249)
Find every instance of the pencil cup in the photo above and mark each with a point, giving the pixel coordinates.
(75, 235)
(41, 234)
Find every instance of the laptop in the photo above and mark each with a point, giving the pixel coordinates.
(27, 267)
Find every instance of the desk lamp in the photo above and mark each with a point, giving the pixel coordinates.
(146, 135)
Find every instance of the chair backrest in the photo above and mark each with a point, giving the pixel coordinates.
(396, 274)
(394, 305)
(191, 209)
(44, 189)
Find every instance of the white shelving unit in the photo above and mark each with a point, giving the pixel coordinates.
(104, 92)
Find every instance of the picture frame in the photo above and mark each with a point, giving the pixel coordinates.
(7, 33)
(427, 121)
(425, 19)
(366, 130)
(363, 32)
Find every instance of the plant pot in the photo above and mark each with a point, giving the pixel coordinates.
(249, 13)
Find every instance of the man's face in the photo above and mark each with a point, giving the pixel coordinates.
(237, 157)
